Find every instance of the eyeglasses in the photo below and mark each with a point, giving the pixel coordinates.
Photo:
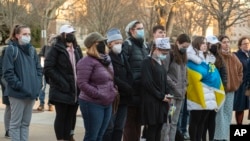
(139, 28)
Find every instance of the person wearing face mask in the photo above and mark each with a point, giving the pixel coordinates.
(122, 79)
(95, 78)
(23, 73)
(212, 56)
(136, 50)
(155, 95)
(175, 65)
(205, 91)
(60, 70)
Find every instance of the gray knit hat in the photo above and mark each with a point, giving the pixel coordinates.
(129, 26)
(113, 34)
(92, 38)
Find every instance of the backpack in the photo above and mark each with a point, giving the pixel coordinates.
(2, 52)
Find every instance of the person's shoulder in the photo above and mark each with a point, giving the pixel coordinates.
(88, 60)
(127, 42)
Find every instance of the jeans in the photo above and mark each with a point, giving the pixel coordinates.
(42, 92)
(183, 118)
(116, 125)
(96, 119)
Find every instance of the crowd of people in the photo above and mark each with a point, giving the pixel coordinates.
(174, 90)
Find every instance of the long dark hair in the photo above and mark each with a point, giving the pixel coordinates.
(221, 37)
(180, 58)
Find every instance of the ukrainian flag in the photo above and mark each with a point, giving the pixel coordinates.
(204, 74)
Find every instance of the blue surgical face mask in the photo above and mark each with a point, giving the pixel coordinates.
(25, 40)
(162, 57)
(140, 34)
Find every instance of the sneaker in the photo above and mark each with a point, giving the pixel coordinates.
(7, 134)
(186, 136)
(50, 107)
(40, 108)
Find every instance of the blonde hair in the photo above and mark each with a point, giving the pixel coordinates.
(92, 51)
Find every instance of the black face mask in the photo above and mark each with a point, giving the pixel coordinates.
(101, 47)
(70, 38)
(213, 49)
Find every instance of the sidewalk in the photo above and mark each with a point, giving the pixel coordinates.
(42, 129)
(42, 123)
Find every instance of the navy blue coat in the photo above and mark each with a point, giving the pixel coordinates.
(22, 71)
(240, 100)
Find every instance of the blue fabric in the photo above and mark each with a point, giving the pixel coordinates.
(42, 93)
(183, 118)
(200, 74)
(23, 73)
(240, 100)
(209, 74)
(224, 118)
(114, 34)
(96, 119)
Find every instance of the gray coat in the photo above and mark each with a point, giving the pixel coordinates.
(176, 77)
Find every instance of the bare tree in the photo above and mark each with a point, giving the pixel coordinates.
(11, 12)
(101, 15)
(185, 19)
(45, 10)
(226, 12)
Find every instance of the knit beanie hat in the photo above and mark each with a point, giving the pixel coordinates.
(113, 34)
(129, 26)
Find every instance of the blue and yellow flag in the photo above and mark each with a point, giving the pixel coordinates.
(204, 74)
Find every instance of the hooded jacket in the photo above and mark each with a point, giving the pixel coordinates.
(58, 69)
(22, 72)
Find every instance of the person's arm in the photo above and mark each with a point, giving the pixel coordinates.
(223, 74)
(8, 69)
(85, 68)
(51, 71)
(38, 66)
(123, 87)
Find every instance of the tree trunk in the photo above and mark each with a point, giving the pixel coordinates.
(170, 22)
(222, 27)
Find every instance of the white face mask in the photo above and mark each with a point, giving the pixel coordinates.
(117, 48)
(25, 40)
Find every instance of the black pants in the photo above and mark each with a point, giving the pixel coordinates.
(196, 124)
(154, 132)
(209, 125)
(64, 120)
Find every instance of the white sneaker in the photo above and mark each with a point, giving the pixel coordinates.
(186, 136)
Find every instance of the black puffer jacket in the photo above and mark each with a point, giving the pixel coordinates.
(136, 51)
(59, 71)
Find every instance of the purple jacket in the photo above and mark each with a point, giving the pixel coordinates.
(95, 82)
